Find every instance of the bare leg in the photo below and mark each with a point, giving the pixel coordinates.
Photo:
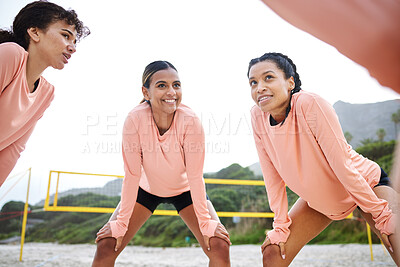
(307, 223)
(219, 253)
(391, 196)
(105, 254)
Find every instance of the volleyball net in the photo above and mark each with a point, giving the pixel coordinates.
(95, 189)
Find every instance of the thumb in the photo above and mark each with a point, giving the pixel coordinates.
(385, 240)
(118, 244)
(207, 242)
(282, 249)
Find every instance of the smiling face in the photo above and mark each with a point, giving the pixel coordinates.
(270, 89)
(54, 45)
(164, 92)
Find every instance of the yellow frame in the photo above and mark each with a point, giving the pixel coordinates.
(55, 207)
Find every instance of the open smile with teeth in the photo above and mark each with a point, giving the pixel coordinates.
(66, 57)
(170, 100)
(261, 99)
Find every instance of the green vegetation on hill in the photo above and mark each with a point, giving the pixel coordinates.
(163, 231)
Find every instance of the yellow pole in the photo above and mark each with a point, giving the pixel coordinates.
(25, 217)
(370, 241)
(47, 201)
(56, 194)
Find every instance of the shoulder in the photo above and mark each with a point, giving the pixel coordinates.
(255, 110)
(140, 112)
(140, 109)
(11, 51)
(137, 117)
(257, 114)
(184, 110)
(185, 115)
(186, 119)
(304, 101)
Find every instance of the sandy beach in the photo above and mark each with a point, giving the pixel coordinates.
(48, 254)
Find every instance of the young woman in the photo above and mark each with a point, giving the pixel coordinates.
(43, 35)
(300, 144)
(163, 152)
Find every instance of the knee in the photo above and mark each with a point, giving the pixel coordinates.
(272, 256)
(105, 249)
(219, 249)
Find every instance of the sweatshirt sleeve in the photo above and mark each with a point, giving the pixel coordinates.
(357, 28)
(328, 133)
(10, 155)
(10, 60)
(131, 153)
(194, 150)
(276, 191)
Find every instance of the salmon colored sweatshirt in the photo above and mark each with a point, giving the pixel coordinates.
(19, 109)
(310, 155)
(163, 165)
(366, 31)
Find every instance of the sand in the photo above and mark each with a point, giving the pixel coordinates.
(48, 254)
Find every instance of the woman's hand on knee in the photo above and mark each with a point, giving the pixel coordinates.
(104, 232)
(220, 232)
(281, 246)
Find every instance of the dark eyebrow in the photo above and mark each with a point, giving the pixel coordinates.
(70, 33)
(263, 74)
(177, 81)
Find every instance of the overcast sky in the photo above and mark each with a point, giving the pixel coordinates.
(209, 42)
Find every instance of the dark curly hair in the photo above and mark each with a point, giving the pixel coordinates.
(41, 14)
(285, 64)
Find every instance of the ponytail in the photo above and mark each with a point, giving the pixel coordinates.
(7, 36)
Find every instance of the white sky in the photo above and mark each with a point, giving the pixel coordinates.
(209, 42)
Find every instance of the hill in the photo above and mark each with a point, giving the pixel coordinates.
(363, 120)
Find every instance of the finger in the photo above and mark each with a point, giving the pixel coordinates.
(100, 232)
(385, 240)
(118, 244)
(103, 232)
(225, 238)
(266, 243)
(282, 248)
(207, 242)
(103, 228)
(225, 232)
(222, 233)
(99, 237)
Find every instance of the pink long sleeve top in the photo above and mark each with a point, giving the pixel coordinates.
(19, 109)
(163, 165)
(310, 155)
(366, 31)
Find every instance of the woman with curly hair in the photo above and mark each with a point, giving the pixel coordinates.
(43, 35)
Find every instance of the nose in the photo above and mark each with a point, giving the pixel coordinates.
(71, 48)
(260, 88)
(171, 91)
